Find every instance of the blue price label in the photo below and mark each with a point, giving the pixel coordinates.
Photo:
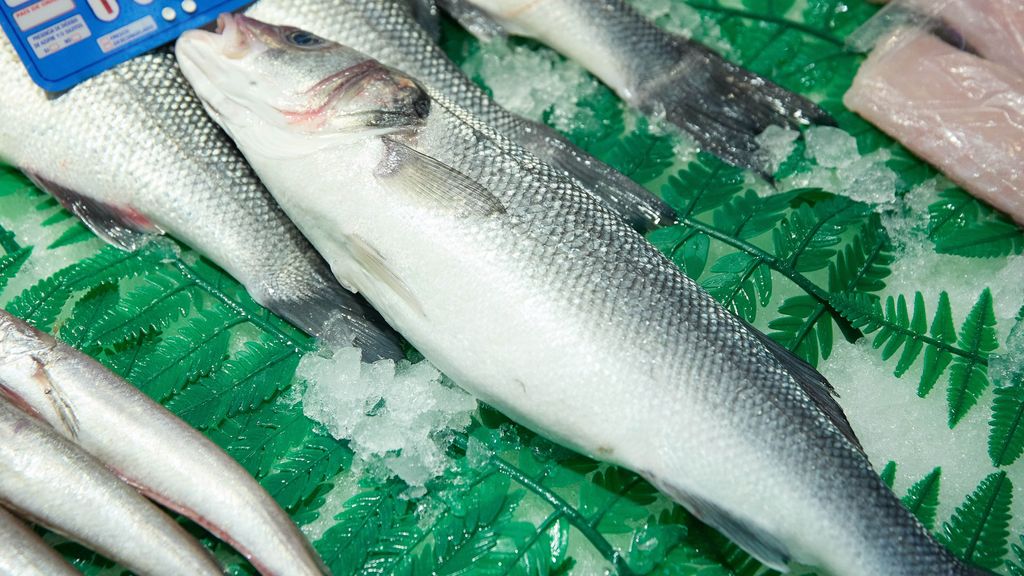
(63, 42)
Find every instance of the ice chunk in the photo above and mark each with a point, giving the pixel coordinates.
(840, 168)
(396, 417)
(831, 147)
(538, 84)
(776, 144)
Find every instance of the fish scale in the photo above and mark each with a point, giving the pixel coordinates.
(132, 151)
(545, 305)
(388, 31)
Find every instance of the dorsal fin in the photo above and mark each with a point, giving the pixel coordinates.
(817, 387)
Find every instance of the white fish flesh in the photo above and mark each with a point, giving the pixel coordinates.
(961, 113)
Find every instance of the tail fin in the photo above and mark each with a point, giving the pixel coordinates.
(633, 203)
(339, 317)
(724, 106)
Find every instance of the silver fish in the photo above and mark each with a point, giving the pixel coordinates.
(538, 300)
(722, 105)
(132, 152)
(50, 480)
(149, 447)
(23, 552)
(388, 31)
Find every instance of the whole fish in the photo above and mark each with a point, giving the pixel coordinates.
(388, 31)
(56, 484)
(23, 552)
(132, 152)
(149, 447)
(537, 299)
(722, 105)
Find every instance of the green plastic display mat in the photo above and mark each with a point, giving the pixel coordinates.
(927, 282)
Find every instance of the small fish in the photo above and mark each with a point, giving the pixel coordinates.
(54, 483)
(722, 105)
(23, 552)
(963, 114)
(149, 447)
(534, 297)
(388, 31)
(132, 153)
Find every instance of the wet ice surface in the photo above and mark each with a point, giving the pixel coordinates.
(838, 166)
(398, 418)
(532, 83)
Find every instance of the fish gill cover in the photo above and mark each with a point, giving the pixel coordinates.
(907, 299)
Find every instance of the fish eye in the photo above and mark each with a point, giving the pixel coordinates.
(303, 39)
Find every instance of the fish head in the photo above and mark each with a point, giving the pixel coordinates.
(280, 80)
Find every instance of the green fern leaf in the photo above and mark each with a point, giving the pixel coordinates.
(888, 474)
(936, 359)
(978, 531)
(651, 544)
(703, 185)
(686, 247)
(75, 233)
(969, 375)
(806, 238)
(962, 225)
(1006, 427)
(195, 350)
(804, 328)
(299, 470)
(40, 303)
(346, 545)
(642, 155)
(255, 439)
(78, 329)
(161, 300)
(253, 376)
(923, 498)
(11, 262)
(741, 283)
(1016, 568)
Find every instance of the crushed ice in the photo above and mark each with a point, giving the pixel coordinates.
(397, 418)
(532, 83)
(838, 166)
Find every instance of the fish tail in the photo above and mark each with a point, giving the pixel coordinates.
(339, 317)
(635, 205)
(722, 105)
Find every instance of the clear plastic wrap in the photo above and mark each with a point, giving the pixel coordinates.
(960, 112)
(993, 29)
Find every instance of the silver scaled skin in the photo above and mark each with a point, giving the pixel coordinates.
(50, 480)
(132, 152)
(23, 552)
(389, 31)
(536, 298)
(722, 105)
(149, 447)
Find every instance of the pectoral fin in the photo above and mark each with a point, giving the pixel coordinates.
(435, 183)
(123, 227)
(374, 264)
(476, 21)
